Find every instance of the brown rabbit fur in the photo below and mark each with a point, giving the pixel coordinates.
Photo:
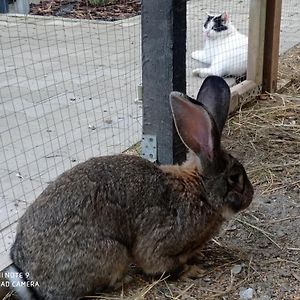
(96, 218)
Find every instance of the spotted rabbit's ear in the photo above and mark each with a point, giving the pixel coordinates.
(214, 94)
(195, 126)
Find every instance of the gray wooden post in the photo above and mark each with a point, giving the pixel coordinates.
(271, 45)
(3, 6)
(164, 70)
(22, 7)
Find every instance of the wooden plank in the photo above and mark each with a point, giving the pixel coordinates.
(271, 52)
(257, 15)
(164, 70)
(241, 93)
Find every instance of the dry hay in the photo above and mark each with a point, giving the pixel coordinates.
(289, 71)
(134, 149)
(266, 136)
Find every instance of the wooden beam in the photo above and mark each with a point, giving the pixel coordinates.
(164, 70)
(257, 15)
(242, 93)
(271, 47)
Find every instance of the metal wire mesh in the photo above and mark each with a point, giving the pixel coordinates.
(290, 25)
(68, 91)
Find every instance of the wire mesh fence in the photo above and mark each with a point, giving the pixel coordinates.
(288, 77)
(290, 25)
(68, 92)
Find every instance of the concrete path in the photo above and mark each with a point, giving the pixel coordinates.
(68, 90)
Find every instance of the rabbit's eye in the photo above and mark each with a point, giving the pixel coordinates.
(237, 180)
(234, 178)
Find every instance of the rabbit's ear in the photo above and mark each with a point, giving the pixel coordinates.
(214, 94)
(195, 126)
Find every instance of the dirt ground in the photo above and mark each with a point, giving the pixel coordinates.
(82, 9)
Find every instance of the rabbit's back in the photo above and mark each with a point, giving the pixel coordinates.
(92, 192)
(94, 201)
(112, 180)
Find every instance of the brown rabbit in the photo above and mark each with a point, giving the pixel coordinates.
(96, 218)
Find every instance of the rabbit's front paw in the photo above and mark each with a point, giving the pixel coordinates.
(117, 286)
(192, 272)
(126, 280)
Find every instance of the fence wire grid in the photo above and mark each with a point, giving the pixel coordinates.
(68, 92)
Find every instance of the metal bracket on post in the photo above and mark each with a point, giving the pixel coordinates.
(163, 71)
(149, 147)
(139, 98)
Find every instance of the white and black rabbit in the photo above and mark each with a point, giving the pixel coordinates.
(95, 219)
(225, 48)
